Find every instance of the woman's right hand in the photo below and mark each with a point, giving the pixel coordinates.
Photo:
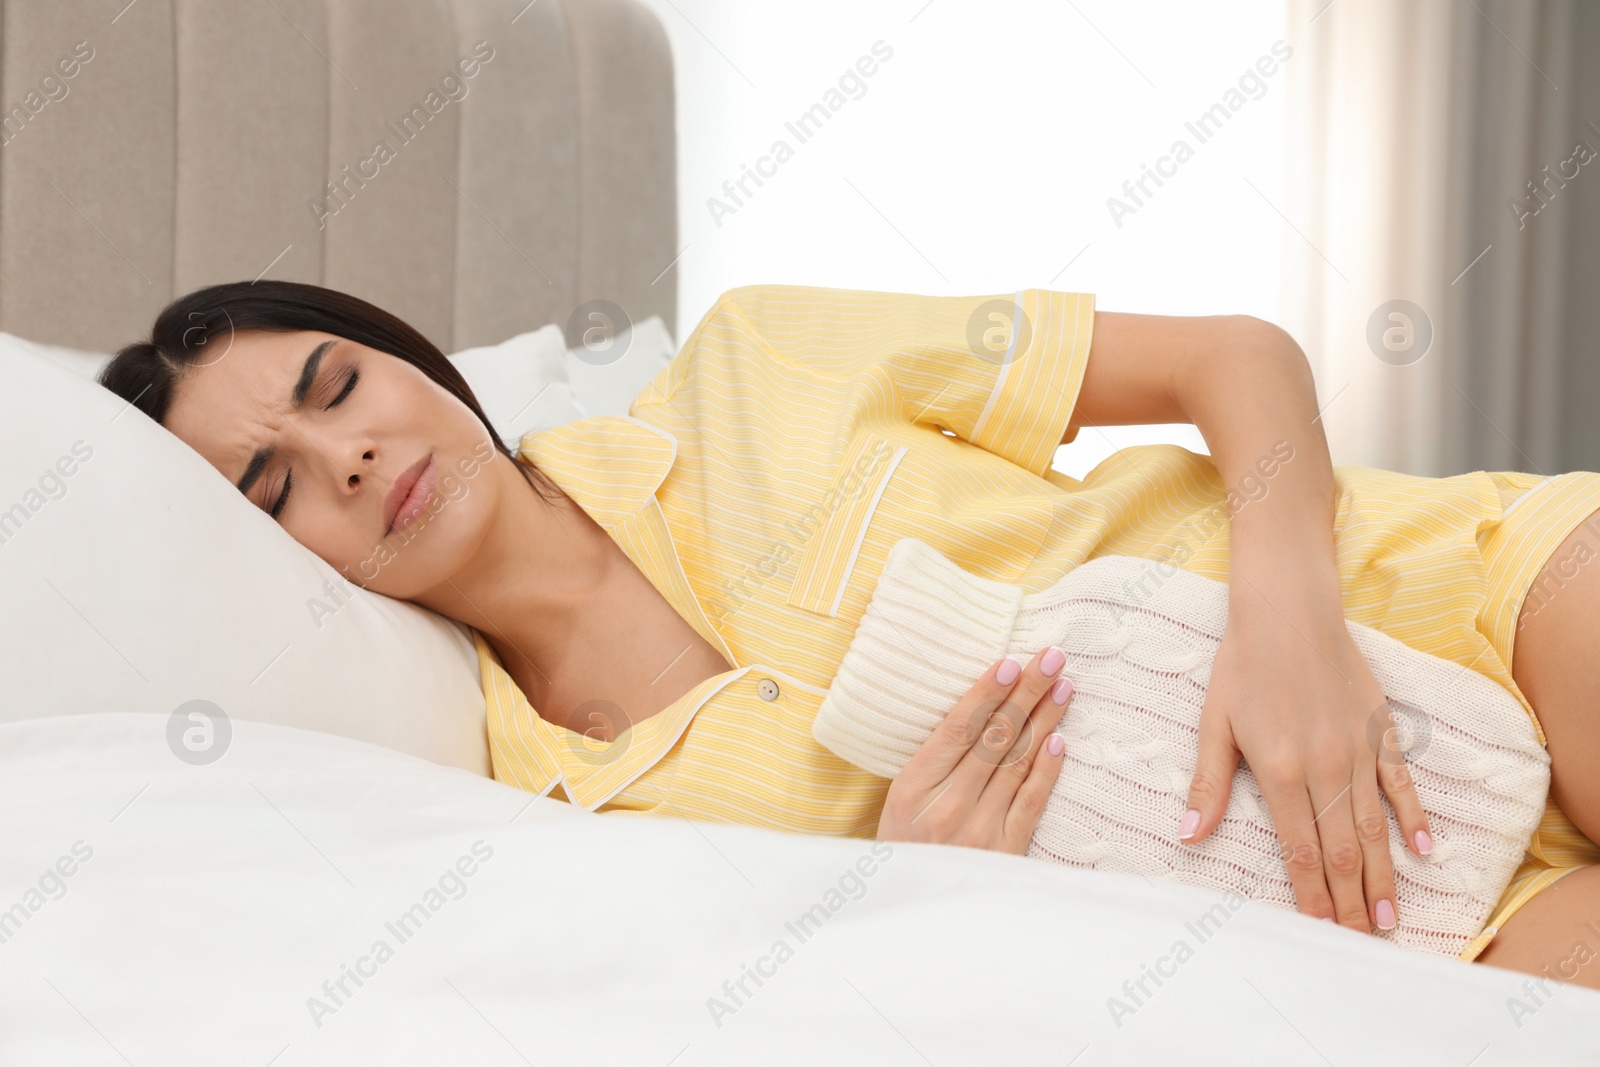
(983, 776)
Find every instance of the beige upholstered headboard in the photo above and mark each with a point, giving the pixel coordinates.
(195, 141)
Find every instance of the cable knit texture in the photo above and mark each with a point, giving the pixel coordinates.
(1140, 638)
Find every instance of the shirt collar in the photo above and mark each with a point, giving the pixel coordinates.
(610, 464)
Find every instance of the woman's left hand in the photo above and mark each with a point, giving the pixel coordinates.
(1291, 693)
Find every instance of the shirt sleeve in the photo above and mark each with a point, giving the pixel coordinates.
(1001, 372)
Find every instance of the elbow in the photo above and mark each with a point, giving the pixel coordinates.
(1254, 327)
(1273, 340)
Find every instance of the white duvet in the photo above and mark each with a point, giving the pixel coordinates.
(308, 899)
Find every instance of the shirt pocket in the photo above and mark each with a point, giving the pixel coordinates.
(990, 517)
(841, 520)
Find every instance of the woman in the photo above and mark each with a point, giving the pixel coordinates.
(672, 590)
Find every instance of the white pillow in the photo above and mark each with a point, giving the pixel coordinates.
(521, 382)
(532, 382)
(76, 360)
(135, 577)
(606, 378)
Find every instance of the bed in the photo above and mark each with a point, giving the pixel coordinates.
(246, 809)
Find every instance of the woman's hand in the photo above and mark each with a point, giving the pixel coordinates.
(1291, 693)
(983, 776)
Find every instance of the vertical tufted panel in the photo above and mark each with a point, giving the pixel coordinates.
(392, 238)
(86, 181)
(517, 216)
(196, 140)
(248, 163)
(627, 169)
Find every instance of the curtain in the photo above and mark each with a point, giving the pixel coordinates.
(1442, 200)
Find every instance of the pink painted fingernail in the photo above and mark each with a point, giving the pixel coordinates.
(1424, 842)
(1061, 690)
(1385, 911)
(1190, 823)
(1007, 672)
(1055, 744)
(1052, 661)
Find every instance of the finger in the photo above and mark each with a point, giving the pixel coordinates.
(1394, 776)
(1008, 723)
(1022, 817)
(1212, 781)
(1299, 845)
(1377, 868)
(1341, 855)
(931, 764)
(1008, 778)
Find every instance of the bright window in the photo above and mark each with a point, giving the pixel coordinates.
(981, 154)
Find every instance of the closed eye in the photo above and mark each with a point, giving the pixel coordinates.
(283, 497)
(349, 384)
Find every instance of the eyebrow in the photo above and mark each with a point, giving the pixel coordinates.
(297, 398)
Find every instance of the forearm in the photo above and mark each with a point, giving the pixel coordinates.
(1255, 403)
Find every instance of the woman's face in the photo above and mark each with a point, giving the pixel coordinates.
(318, 430)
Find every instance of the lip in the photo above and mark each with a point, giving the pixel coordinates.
(408, 495)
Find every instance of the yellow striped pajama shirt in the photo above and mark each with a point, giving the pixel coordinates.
(760, 479)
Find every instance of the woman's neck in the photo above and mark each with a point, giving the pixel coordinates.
(534, 581)
(591, 642)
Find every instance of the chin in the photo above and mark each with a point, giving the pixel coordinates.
(423, 555)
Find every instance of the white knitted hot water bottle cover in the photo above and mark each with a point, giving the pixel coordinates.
(1140, 639)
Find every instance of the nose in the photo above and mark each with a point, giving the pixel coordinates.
(355, 466)
(345, 454)
(348, 457)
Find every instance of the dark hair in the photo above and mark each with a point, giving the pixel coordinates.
(145, 373)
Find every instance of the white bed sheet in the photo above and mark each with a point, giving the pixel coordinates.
(218, 899)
